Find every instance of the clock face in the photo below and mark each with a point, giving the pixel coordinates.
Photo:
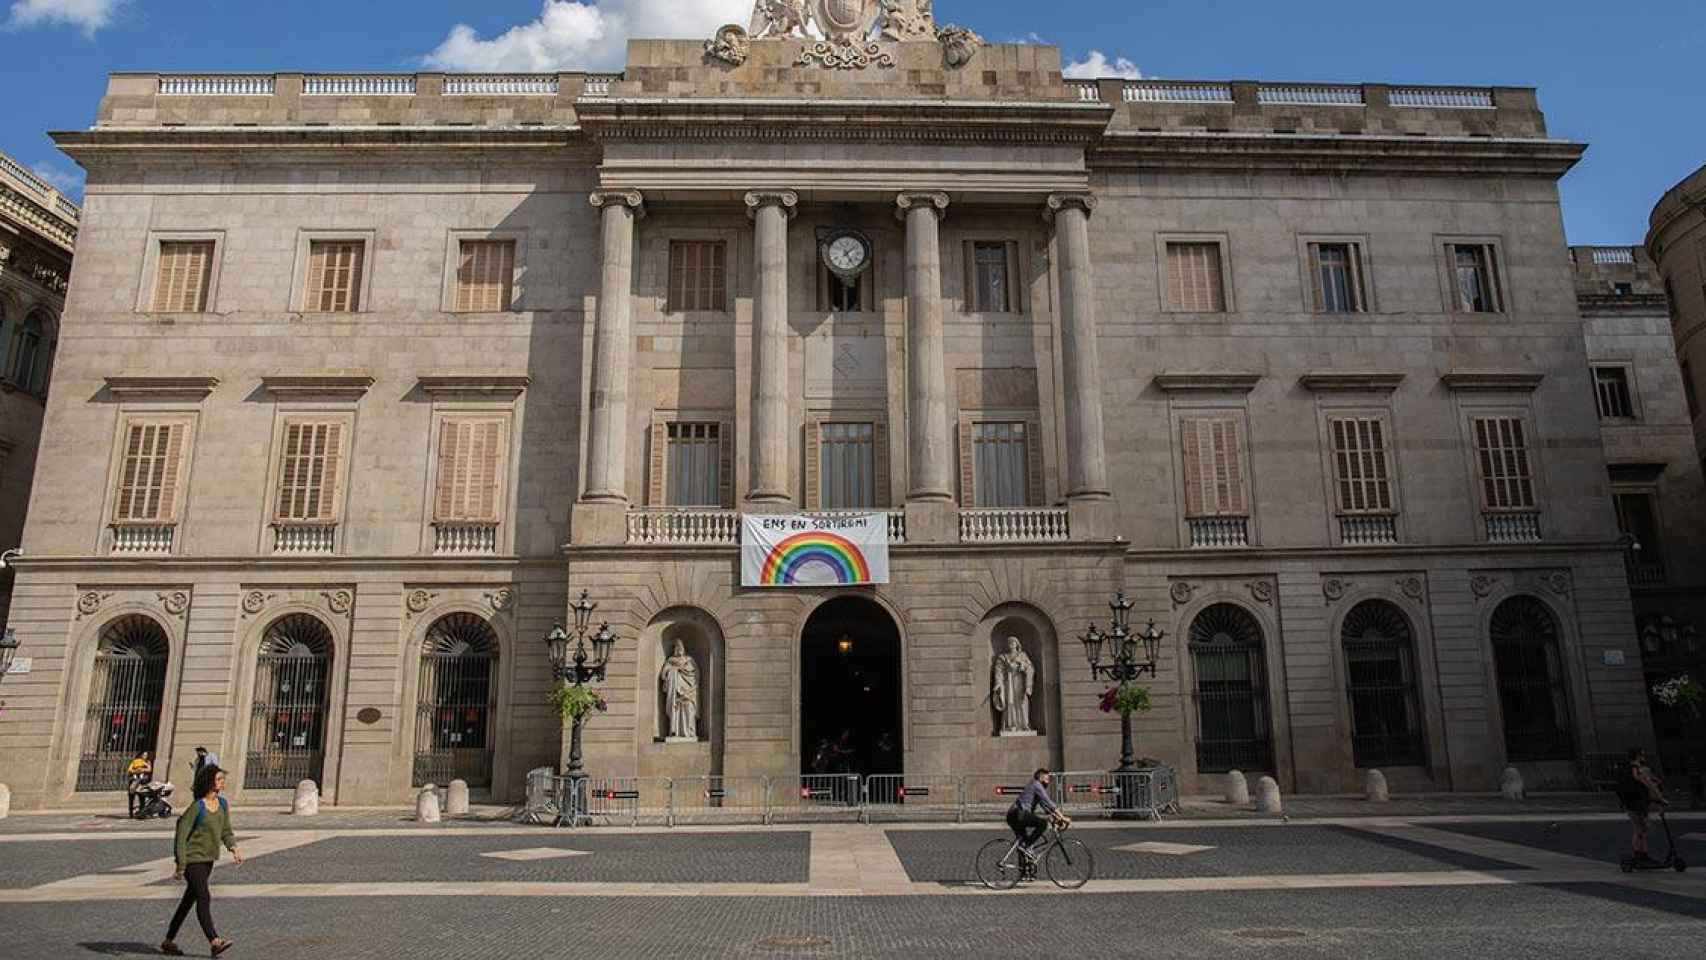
(846, 254)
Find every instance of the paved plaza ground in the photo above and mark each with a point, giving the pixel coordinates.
(1467, 877)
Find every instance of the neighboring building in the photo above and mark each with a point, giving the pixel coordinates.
(38, 228)
(357, 390)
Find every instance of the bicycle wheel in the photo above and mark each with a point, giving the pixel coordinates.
(1069, 864)
(998, 864)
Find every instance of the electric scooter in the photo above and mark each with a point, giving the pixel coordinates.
(1670, 862)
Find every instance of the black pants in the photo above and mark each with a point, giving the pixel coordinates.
(195, 892)
(1026, 825)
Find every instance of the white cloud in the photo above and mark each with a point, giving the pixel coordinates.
(1097, 66)
(583, 34)
(68, 182)
(91, 15)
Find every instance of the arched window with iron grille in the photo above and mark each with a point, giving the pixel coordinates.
(457, 701)
(1530, 669)
(1380, 683)
(126, 691)
(1231, 694)
(287, 725)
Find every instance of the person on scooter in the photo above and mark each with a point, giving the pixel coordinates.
(1637, 791)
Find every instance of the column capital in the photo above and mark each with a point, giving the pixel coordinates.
(1083, 200)
(757, 200)
(935, 200)
(632, 199)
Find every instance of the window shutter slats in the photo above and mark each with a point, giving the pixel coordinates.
(1501, 452)
(1033, 464)
(150, 473)
(1214, 467)
(968, 254)
(182, 275)
(169, 440)
(470, 470)
(1360, 463)
(309, 470)
(655, 465)
(726, 465)
(968, 465)
(334, 276)
(697, 275)
(1194, 280)
(1015, 283)
(485, 275)
(880, 460)
(813, 478)
(1191, 444)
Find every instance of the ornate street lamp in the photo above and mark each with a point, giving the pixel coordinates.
(576, 666)
(1123, 665)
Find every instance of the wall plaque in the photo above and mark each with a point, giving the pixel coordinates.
(368, 715)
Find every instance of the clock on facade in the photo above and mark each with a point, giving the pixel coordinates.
(847, 253)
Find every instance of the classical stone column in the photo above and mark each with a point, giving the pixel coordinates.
(612, 351)
(1086, 465)
(929, 445)
(770, 211)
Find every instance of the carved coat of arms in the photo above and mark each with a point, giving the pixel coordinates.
(846, 19)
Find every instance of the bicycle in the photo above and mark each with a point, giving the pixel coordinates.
(1001, 863)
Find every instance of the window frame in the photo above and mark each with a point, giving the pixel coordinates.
(812, 474)
(1445, 252)
(657, 457)
(1017, 288)
(1164, 241)
(1029, 418)
(305, 239)
(149, 281)
(283, 415)
(32, 382)
(140, 415)
(730, 273)
(1531, 448)
(1627, 369)
(1363, 269)
(509, 412)
(518, 269)
(1654, 548)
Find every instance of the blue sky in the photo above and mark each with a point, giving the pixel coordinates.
(1621, 76)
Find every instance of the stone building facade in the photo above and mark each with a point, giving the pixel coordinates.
(1296, 367)
(38, 228)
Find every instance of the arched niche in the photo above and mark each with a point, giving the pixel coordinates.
(1040, 644)
(701, 638)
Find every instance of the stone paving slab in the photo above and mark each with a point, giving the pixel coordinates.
(1509, 922)
(31, 863)
(1603, 840)
(946, 856)
(771, 857)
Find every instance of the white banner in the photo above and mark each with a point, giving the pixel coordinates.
(801, 550)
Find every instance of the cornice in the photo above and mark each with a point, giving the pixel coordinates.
(192, 389)
(1469, 381)
(1342, 381)
(721, 119)
(483, 386)
(1204, 382)
(99, 140)
(317, 387)
(1335, 152)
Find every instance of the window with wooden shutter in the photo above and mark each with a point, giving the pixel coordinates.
(182, 273)
(1214, 469)
(1194, 280)
(1475, 278)
(693, 464)
(1361, 465)
(149, 475)
(1001, 463)
(470, 469)
(1501, 453)
(1611, 392)
(846, 465)
(1336, 277)
(485, 275)
(334, 276)
(697, 275)
(309, 471)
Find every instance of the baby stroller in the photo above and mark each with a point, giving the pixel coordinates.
(151, 800)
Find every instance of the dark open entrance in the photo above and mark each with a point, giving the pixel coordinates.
(850, 691)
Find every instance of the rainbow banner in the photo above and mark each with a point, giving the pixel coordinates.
(801, 550)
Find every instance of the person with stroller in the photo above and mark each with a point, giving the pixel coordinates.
(137, 775)
(204, 827)
(1637, 791)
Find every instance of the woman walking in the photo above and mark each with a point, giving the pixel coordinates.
(202, 830)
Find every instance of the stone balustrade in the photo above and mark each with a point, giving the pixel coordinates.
(501, 85)
(1088, 91)
(1310, 94)
(684, 527)
(142, 538)
(1014, 525)
(358, 85)
(464, 538)
(18, 172)
(897, 520)
(1512, 526)
(218, 85)
(1216, 532)
(598, 84)
(1176, 91)
(1361, 530)
(1613, 255)
(303, 538)
(1448, 98)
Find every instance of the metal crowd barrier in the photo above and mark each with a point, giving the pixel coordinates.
(920, 796)
(988, 795)
(815, 796)
(629, 800)
(719, 800)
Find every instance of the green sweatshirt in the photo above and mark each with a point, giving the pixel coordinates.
(200, 844)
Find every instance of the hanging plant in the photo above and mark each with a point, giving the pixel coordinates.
(1681, 693)
(573, 701)
(1126, 698)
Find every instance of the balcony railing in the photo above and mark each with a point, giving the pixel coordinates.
(1310, 95)
(897, 520)
(598, 85)
(1513, 527)
(1172, 91)
(1215, 532)
(142, 538)
(226, 85)
(1013, 525)
(1361, 530)
(365, 85)
(1613, 255)
(1449, 98)
(684, 527)
(1088, 91)
(1645, 574)
(500, 85)
(303, 538)
(460, 538)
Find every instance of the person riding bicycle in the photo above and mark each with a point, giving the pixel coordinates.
(1022, 816)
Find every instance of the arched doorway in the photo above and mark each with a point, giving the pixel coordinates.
(850, 689)
(287, 725)
(126, 691)
(1380, 684)
(1231, 691)
(456, 705)
(1530, 670)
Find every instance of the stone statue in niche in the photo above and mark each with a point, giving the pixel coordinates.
(1010, 690)
(680, 679)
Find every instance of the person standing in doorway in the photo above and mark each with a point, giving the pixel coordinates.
(202, 830)
(202, 760)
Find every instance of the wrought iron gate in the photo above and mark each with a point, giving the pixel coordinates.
(125, 694)
(1231, 691)
(1380, 685)
(457, 702)
(287, 725)
(1531, 681)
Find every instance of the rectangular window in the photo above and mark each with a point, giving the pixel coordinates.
(840, 296)
(1361, 466)
(1000, 464)
(693, 465)
(485, 274)
(182, 275)
(991, 278)
(1501, 453)
(1194, 279)
(847, 466)
(334, 276)
(1611, 392)
(1636, 517)
(148, 478)
(470, 469)
(1475, 278)
(1214, 472)
(308, 478)
(1336, 273)
(697, 275)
